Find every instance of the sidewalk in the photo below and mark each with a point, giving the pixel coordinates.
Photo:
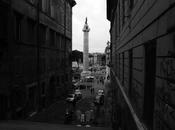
(23, 125)
(108, 104)
(54, 114)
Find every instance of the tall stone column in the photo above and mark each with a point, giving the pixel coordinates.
(86, 30)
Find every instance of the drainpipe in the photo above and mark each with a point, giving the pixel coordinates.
(65, 41)
(38, 57)
(10, 26)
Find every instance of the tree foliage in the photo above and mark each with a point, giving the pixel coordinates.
(76, 55)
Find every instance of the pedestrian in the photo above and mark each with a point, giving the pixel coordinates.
(108, 77)
(103, 81)
(68, 116)
(78, 117)
(82, 119)
(93, 91)
(87, 117)
(92, 115)
(74, 104)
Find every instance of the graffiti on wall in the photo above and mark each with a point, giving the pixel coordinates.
(167, 70)
(166, 93)
(137, 96)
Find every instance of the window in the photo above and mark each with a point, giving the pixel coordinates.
(52, 11)
(43, 88)
(130, 71)
(32, 98)
(3, 22)
(123, 67)
(42, 65)
(44, 5)
(42, 34)
(62, 42)
(58, 40)
(131, 4)
(52, 37)
(68, 45)
(31, 31)
(119, 66)
(32, 1)
(149, 87)
(62, 79)
(66, 77)
(58, 80)
(123, 12)
(1, 55)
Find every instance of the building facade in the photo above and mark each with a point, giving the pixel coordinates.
(35, 54)
(143, 63)
(99, 58)
(108, 53)
(108, 60)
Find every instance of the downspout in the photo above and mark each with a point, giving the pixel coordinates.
(10, 58)
(38, 57)
(64, 51)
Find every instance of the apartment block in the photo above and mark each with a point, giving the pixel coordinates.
(35, 53)
(143, 63)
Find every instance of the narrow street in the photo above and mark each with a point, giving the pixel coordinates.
(86, 104)
(54, 116)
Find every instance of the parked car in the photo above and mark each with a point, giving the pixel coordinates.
(100, 92)
(99, 98)
(102, 100)
(82, 86)
(68, 116)
(78, 94)
(71, 98)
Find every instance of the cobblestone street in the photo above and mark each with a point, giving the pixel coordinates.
(86, 103)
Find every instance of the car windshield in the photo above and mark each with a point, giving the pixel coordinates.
(100, 91)
(70, 96)
(77, 91)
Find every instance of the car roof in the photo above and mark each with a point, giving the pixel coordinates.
(71, 94)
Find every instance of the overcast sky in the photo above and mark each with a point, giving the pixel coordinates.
(95, 11)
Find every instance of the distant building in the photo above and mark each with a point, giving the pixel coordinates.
(143, 63)
(35, 54)
(108, 53)
(108, 60)
(91, 59)
(97, 59)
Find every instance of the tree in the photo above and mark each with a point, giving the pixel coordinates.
(76, 56)
(103, 59)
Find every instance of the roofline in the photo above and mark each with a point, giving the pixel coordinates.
(72, 2)
(111, 4)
